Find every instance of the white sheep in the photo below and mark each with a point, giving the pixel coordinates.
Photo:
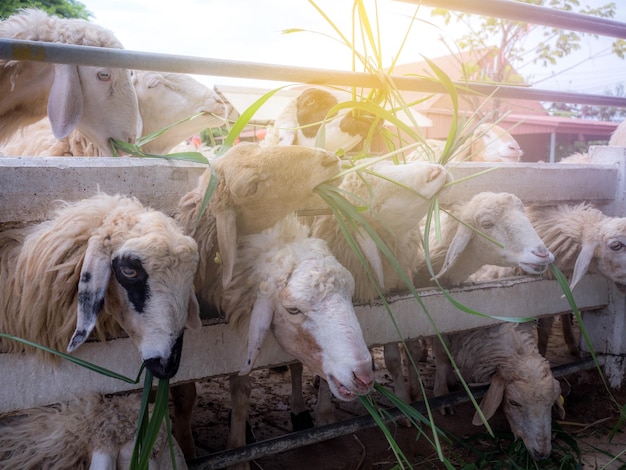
(164, 99)
(113, 262)
(257, 187)
(506, 357)
(99, 101)
(488, 143)
(583, 240)
(462, 250)
(397, 197)
(91, 431)
(292, 284)
(301, 120)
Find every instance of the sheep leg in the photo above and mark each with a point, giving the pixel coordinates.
(324, 409)
(568, 335)
(419, 352)
(183, 397)
(240, 404)
(443, 370)
(393, 361)
(544, 328)
(300, 416)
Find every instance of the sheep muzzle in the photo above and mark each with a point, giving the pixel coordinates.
(166, 368)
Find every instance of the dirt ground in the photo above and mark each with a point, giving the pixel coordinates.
(590, 416)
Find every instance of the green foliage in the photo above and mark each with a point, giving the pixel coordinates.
(61, 8)
(512, 37)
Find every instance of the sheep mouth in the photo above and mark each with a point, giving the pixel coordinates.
(340, 390)
(534, 268)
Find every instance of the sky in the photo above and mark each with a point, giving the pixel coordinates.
(252, 31)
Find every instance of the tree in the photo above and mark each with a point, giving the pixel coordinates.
(62, 8)
(518, 42)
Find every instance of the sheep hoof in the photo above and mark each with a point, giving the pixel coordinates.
(301, 421)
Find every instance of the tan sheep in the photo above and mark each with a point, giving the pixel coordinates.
(520, 379)
(164, 99)
(488, 143)
(92, 431)
(105, 264)
(98, 101)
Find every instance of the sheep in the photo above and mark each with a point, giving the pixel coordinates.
(618, 138)
(488, 143)
(300, 122)
(117, 264)
(461, 251)
(91, 431)
(291, 283)
(506, 357)
(257, 187)
(98, 101)
(164, 99)
(583, 239)
(393, 212)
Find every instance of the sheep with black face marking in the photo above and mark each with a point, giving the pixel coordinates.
(301, 121)
(92, 431)
(164, 99)
(98, 101)
(519, 378)
(102, 265)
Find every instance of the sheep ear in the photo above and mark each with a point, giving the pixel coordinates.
(226, 228)
(372, 254)
(558, 405)
(65, 102)
(459, 243)
(582, 263)
(260, 322)
(193, 312)
(492, 399)
(92, 286)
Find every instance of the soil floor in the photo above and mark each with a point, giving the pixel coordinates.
(591, 413)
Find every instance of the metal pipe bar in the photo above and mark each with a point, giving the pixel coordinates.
(518, 11)
(323, 433)
(13, 49)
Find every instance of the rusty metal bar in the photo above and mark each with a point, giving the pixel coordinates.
(323, 433)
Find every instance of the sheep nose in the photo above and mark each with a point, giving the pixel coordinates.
(434, 173)
(543, 252)
(364, 377)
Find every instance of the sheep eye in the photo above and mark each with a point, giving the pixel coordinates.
(293, 310)
(127, 272)
(486, 224)
(616, 245)
(104, 76)
(514, 403)
(310, 102)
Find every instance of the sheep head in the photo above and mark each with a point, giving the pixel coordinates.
(304, 296)
(491, 143)
(139, 268)
(258, 186)
(502, 218)
(397, 197)
(603, 250)
(166, 98)
(527, 391)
